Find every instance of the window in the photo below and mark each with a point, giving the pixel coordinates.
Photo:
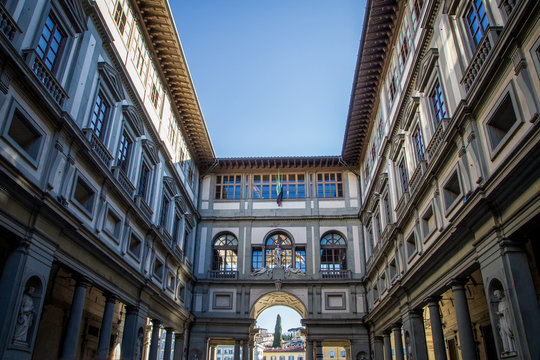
(84, 195)
(416, 11)
(451, 190)
(98, 122)
(124, 152)
(144, 181)
(225, 253)
(25, 135)
(285, 244)
(386, 206)
(411, 245)
(291, 357)
(333, 252)
(377, 224)
(437, 101)
(342, 353)
(50, 42)
(123, 18)
(261, 186)
(300, 258)
(113, 224)
(282, 357)
(140, 54)
(403, 177)
(332, 354)
(135, 246)
(164, 212)
(329, 185)
(228, 187)
(190, 175)
(176, 227)
(393, 269)
(170, 282)
(294, 186)
(428, 222)
(418, 144)
(477, 21)
(502, 121)
(256, 258)
(154, 95)
(158, 269)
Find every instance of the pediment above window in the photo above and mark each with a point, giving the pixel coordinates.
(112, 79)
(169, 184)
(382, 179)
(134, 118)
(410, 110)
(397, 145)
(189, 220)
(426, 68)
(181, 203)
(151, 149)
(74, 11)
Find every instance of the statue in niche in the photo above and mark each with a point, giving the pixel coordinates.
(277, 256)
(139, 345)
(503, 316)
(26, 316)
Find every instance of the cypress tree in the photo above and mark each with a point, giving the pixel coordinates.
(278, 337)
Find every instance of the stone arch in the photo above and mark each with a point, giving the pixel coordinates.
(277, 231)
(278, 298)
(334, 232)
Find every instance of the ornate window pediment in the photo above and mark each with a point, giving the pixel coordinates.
(134, 118)
(410, 110)
(181, 203)
(151, 150)
(112, 79)
(75, 12)
(170, 185)
(426, 68)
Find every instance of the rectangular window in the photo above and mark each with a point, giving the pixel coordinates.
(25, 135)
(98, 122)
(123, 18)
(501, 122)
(140, 54)
(113, 224)
(451, 190)
(403, 177)
(428, 222)
(164, 212)
(416, 11)
(261, 186)
(135, 246)
(256, 258)
(154, 95)
(228, 187)
(158, 269)
(124, 150)
(329, 185)
(387, 214)
(437, 101)
(294, 186)
(143, 181)
(411, 245)
(190, 175)
(176, 228)
(477, 20)
(418, 145)
(50, 42)
(84, 195)
(300, 261)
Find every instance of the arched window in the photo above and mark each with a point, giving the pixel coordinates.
(291, 256)
(225, 253)
(333, 252)
(285, 244)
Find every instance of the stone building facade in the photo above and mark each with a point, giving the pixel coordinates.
(121, 227)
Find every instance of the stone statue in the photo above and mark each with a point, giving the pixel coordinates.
(277, 256)
(26, 315)
(259, 271)
(296, 271)
(503, 316)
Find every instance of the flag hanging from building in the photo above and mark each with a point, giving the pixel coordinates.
(279, 191)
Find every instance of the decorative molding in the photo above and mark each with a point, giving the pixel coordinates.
(397, 145)
(133, 116)
(75, 12)
(426, 68)
(151, 150)
(112, 80)
(181, 203)
(170, 185)
(410, 111)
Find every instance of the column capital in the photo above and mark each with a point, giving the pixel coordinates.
(433, 300)
(156, 322)
(396, 327)
(130, 309)
(458, 283)
(110, 297)
(178, 335)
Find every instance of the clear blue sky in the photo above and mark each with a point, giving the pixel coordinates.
(273, 77)
(289, 318)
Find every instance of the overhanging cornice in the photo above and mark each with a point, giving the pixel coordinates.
(378, 29)
(159, 23)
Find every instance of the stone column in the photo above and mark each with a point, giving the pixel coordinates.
(168, 344)
(378, 350)
(236, 349)
(212, 351)
(154, 342)
(178, 346)
(466, 339)
(129, 337)
(309, 350)
(398, 344)
(415, 335)
(437, 335)
(245, 349)
(106, 328)
(387, 346)
(318, 350)
(71, 339)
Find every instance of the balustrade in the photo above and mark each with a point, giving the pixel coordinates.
(45, 76)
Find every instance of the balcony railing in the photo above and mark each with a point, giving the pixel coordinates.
(222, 274)
(437, 138)
(417, 175)
(8, 26)
(99, 148)
(144, 207)
(336, 274)
(124, 181)
(400, 207)
(45, 76)
(482, 51)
